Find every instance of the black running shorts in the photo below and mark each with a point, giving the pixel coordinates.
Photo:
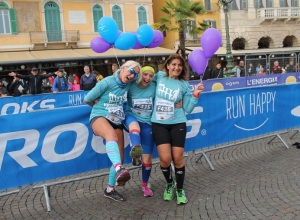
(169, 133)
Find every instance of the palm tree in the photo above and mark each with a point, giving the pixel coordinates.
(179, 14)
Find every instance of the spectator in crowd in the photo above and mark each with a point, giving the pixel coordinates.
(74, 86)
(291, 67)
(87, 80)
(106, 119)
(2, 88)
(4, 82)
(234, 69)
(76, 78)
(169, 127)
(276, 68)
(114, 67)
(99, 77)
(71, 78)
(261, 72)
(4, 92)
(60, 82)
(240, 70)
(251, 70)
(46, 85)
(207, 73)
(179, 51)
(18, 87)
(34, 80)
(217, 72)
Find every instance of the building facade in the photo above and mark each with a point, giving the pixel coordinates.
(57, 33)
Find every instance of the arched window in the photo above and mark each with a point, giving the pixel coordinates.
(283, 3)
(97, 15)
(238, 5)
(53, 24)
(142, 15)
(8, 20)
(117, 15)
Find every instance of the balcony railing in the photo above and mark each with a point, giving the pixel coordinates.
(277, 13)
(44, 37)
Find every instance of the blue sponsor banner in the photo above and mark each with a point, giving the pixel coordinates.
(29, 103)
(230, 115)
(53, 139)
(250, 81)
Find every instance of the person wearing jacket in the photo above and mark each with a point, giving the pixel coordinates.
(60, 83)
(35, 80)
(18, 87)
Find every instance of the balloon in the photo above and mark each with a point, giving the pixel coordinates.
(145, 34)
(125, 41)
(108, 29)
(198, 61)
(157, 39)
(211, 41)
(99, 45)
(119, 33)
(138, 45)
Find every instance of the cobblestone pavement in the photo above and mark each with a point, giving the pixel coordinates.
(254, 180)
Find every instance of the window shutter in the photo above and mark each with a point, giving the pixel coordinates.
(213, 24)
(13, 21)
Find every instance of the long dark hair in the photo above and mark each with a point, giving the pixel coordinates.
(184, 74)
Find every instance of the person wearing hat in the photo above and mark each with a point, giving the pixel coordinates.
(35, 80)
(140, 98)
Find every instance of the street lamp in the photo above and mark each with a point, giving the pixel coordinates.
(229, 57)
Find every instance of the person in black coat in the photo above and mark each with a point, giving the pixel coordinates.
(217, 72)
(18, 87)
(35, 80)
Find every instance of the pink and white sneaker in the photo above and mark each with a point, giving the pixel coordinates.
(147, 192)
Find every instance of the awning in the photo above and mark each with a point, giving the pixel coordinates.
(20, 57)
(222, 50)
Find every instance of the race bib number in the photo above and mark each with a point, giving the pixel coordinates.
(164, 109)
(116, 114)
(142, 106)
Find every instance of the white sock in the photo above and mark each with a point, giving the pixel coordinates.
(109, 189)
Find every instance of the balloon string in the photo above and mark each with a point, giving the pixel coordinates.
(201, 76)
(116, 56)
(144, 56)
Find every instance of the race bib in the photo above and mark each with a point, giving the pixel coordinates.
(142, 106)
(164, 109)
(116, 114)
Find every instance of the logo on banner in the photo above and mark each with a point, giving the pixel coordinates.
(254, 104)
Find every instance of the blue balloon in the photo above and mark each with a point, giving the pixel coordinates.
(125, 41)
(145, 35)
(108, 29)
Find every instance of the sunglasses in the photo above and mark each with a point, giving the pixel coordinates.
(133, 72)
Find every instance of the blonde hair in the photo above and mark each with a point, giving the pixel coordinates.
(130, 64)
(145, 68)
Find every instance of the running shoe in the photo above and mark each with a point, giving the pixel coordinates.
(169, 192)
(136, 153)
(181, 198)
(114, 195)
(122, 176)
(137, 161)
(147, 192)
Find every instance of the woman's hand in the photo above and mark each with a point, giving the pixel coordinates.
(198, 89)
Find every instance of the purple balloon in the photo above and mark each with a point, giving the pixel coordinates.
(99, 45)
(211, 40)
(137, 44)
(198, 61)
(157, 39)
